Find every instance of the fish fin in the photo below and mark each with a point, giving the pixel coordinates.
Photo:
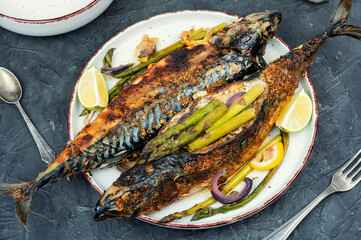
(261, 61)
(348, 30)
(337, 27)
(69, 177)
(341, 13)
(23, 194)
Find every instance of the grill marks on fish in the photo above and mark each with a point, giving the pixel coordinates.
(150, 117)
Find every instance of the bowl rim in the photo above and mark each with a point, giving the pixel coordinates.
(50, 20)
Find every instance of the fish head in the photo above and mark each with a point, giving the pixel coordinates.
(249, 35)
(131, 201)
(140, 190)
(109, 207)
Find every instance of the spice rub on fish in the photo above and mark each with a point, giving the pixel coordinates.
(149, 186)
(137, 113)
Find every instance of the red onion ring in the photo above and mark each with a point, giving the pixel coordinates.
(227, 199)
(234, 98)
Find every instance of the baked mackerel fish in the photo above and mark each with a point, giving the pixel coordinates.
(136, 114)
(149, 186)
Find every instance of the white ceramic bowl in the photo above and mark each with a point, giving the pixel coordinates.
(47, 18)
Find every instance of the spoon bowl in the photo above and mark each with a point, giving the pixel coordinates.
(10, 88)
(11, 92)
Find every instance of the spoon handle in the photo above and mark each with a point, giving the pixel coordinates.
(46, 153)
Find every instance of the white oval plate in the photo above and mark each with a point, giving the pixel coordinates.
(47, 18)
(167, 27)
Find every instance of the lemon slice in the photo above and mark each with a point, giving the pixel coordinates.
(296, 114)
(268, 159)
(92, 90)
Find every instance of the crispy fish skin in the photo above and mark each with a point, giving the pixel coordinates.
(150, 186)
(138, 112)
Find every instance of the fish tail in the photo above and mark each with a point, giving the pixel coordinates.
(23, 194)
(337, 25)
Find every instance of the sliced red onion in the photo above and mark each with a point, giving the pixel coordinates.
(116, 70)
(227, 199)
(234, 98)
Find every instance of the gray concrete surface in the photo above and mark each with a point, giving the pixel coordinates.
(49, 66)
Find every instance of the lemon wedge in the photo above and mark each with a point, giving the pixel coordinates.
(92, 90)
(296, 114)
(268, 159)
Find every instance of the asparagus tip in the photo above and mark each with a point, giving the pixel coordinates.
(170, 218)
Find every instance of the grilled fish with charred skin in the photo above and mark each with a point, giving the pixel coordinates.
(149, 186)
(138, 112)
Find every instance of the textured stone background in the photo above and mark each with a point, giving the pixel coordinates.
(48, 68)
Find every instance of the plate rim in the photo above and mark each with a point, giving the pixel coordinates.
(219, 223)
(51, 20)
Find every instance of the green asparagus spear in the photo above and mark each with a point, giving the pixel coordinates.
(84, 112)
(202, 125)
(119, 85)
(199, 34)
(222, 130)
(209, 211)
(239, 105)
(177, 128)
(286, 141)
(107, 60)
(189, 134)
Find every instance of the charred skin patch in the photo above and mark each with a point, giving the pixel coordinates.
(191, 178)
(168, 188)
(84, 140)
(87, 138)
(110, 116)
(179, 60)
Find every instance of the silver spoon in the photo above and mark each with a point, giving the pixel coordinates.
(11, 92)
